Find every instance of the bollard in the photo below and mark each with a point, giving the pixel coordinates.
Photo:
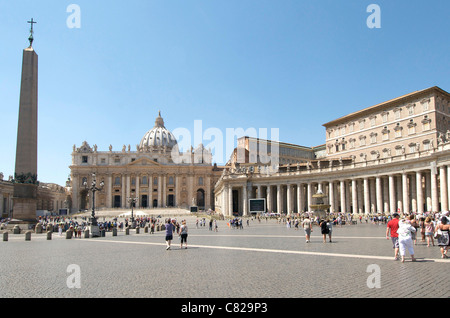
(28, 236)
(16, 229)
(86, 233)
(114, 232)
(50, 227)
(137, 229)
(127, 231)
(49, 235)
(69, 234)
(146, 229)
(38, 228)
(5, 236)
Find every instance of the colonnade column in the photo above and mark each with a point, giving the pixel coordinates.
(434, 191)
(444, 188)
(289, 199)
(299, 198)
(391, 194)
(230, 201)
(354, 196)
(244, 200)
(419, 192)
(405, 193)
(343, 201)
(379, 194)
(331, 196)
(366, 196)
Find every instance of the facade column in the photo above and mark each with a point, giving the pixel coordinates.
(434, 191)
(354, 197)
(379, 194)
(398, 193)
(164, 190)
(75, 197)
(405, 194)
(177, 193)
(160, 192)
(138, 183)
(366, 196)
(123, 199)
(128, 190)
(392, 194)
(343, 201)
(259, 190)
(109, 191)
(386, 194)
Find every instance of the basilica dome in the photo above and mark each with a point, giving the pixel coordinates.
(158, 136)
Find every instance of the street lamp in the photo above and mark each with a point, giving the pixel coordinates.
(93, 188)
(132, 201)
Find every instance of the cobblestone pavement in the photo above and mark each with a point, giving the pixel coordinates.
(263, 260)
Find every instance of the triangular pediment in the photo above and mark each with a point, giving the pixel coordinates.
(144, 162)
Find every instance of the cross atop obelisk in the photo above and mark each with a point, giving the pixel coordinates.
(30, 38)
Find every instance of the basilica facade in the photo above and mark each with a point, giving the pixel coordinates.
(150, 174)
(390, 157)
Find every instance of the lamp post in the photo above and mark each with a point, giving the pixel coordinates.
(93, 188)
(132, 201)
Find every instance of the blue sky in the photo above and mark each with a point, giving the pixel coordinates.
(288, 64)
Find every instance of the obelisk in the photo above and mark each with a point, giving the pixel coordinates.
(25, 175)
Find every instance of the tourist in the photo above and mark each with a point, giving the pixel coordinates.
(324, 229)
(306, 224)
(443, 241)
(183, 233)
(414, 224)
(169, 233)
(429, 231)
(405, 239)
(391, 231)
(330, 229)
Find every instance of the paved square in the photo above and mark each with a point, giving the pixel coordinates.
(263, 260)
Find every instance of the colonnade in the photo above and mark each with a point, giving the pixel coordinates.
(417, 191)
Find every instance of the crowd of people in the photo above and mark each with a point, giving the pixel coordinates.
(405, 231)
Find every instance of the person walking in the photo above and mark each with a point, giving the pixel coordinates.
(306, 224)
(183, 234)
(405, 240)
(169, 233)
(330, 228)
(429, 231)
(443, 240)
(324, 229)
(391, 231)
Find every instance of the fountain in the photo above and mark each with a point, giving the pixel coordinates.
(319, 208)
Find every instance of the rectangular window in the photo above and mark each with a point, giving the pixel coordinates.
(84, 159)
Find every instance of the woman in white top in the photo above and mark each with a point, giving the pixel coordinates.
(405, 239)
